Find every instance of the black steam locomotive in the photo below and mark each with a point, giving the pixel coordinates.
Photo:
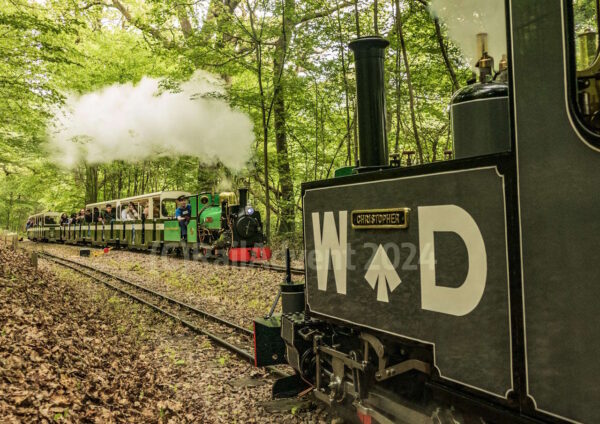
(465, 290)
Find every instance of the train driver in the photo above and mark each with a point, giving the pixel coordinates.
(183, 215)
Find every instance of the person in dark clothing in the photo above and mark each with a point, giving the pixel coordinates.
(107, 215)
(183, 215)
(64, 219)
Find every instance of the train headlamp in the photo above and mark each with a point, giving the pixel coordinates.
(249, 210)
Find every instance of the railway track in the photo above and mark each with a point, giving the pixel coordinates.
(226, 334)
(276, 268)
(221, 261)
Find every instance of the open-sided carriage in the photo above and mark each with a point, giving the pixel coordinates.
(45, 227)
(145, 232)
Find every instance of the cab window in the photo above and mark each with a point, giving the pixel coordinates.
(585, 15)
(50, 220)
(585, 42)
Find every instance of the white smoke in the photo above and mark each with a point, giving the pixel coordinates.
(137, 122)
(467, 18)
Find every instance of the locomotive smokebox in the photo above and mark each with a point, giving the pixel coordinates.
(372, 137)
(243, 197)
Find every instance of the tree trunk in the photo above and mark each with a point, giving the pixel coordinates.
(346, 89)
(411, 95)
(316, 128)
(375, 17)
(265, 125)
(91, 184)
(104, 182)
(135, 182)
(286, 202)
(356, 20)
(444, 50)
(120, 181)
(11, 198)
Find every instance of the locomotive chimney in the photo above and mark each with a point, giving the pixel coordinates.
(243, 197)
(370, 93)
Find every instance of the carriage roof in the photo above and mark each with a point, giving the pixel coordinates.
(42, 214)
(162, 194)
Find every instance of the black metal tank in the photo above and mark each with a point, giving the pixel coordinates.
(480, 120)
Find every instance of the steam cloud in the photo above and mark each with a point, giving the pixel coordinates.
(135, 122)
(466, 18)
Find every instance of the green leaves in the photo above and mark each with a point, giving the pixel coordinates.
(52, 49)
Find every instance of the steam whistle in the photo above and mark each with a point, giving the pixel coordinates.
(486, 62)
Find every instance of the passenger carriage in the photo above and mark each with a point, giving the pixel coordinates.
(146, 232)
(45, 227)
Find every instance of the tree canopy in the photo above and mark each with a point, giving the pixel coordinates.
(284, 63)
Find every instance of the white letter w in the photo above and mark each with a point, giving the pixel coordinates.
(331, 245)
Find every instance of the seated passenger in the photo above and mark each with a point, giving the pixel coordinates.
(87, 215)
(129, 214)
(29, 224)
(73, 218)
(183, 215)
(96, 215)
(64, 219)
(81, 216)
(107, 215)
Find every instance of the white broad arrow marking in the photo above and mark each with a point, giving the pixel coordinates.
(382, 270)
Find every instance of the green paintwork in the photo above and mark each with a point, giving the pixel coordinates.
(172, 231)
(213, 212)
(343, 172)
(192, 232)
(193, 201)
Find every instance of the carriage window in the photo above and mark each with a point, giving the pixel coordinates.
(50, 220)
(168, 208)
(586, 42)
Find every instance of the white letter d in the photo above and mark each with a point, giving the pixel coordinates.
(461, 300)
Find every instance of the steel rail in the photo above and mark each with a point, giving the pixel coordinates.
(183, 305)
(257, 265)
(219, 340)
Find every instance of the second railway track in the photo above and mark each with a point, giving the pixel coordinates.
(223, 332)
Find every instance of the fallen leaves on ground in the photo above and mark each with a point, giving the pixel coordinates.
(73, 351)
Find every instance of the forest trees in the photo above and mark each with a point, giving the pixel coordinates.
(284, 62)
